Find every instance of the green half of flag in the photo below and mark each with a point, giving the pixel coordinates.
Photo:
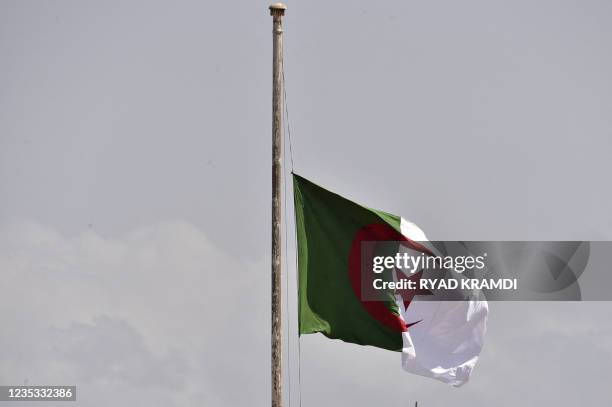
(330, 232)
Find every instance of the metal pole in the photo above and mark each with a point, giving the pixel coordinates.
(277, 11)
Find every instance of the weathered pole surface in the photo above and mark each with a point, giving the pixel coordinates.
(277, 11)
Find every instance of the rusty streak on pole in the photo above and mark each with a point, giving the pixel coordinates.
(277, 11)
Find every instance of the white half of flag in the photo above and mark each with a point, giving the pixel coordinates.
(447, 341)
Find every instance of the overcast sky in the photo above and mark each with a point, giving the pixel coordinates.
(135, 186)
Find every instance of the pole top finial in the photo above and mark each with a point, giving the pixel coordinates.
(277, 9)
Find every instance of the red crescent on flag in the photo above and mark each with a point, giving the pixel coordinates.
(380, 233)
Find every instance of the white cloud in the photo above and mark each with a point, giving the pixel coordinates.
(160, 316)
(159, 311)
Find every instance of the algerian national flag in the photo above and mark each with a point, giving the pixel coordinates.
(439, 339)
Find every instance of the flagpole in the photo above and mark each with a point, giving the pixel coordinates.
(277, 11)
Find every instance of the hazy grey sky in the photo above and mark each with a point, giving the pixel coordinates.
(135, 182)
